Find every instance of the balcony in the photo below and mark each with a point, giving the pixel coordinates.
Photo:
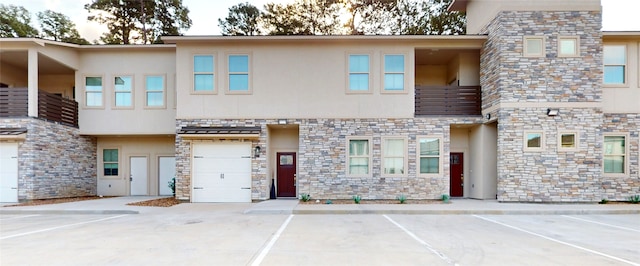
(448, 100)
(14, 103)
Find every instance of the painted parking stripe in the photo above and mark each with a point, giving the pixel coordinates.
(557, 241)
(62, 226)
(19, 217)
(610, 225)
(272, 241)
(424, 243)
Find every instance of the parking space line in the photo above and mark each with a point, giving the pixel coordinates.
(424, 243)
(556, 240)
(62, 226)
(19, 217)
(272, 241)
(610, 225)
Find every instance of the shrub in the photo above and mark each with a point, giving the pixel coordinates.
(305, 197)
(402, 198)
(445, 198)
(635, 199)
(356, 199)
(172, 185)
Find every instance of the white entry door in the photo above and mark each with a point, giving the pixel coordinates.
(139, 177)
(8, 172)
(166, 171)
(221, 172)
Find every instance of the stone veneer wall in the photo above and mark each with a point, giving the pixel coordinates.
(509, 79)
(54, 161)
(621, 188)
(322, 157)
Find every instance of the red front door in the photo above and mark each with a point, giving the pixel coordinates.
(456, 180)
(286, 174)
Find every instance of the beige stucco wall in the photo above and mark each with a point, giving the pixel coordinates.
(109, 120)
(280, 139)
(460, 143)
(150, 147)
(624, 98)
(12, 76)
(482, 180)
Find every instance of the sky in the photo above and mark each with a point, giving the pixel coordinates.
(617, 15)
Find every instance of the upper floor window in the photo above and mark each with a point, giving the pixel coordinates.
(534, 46)
(93, 90)
(110, 162)
(614, 155)
(154, 87)
(394, 156)
(203, 73)
(359, 72)
(359, 160)
(123, 91)
(239, 73)
(568, 46)
(429, 155)
(615, 61)
(394, 72)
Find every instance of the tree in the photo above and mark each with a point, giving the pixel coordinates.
(243, 19)
(15, 22)
(139, 21)
(304, 17)
(284, 20)
(441, 21)
(58, 27)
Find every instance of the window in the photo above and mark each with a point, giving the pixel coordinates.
(358, 73)
(568, 46)
(614, 155)
(239, 73)
(122, 87)
(567, 141)
(155, 91)
(203, 73)
(110, 162)
(93, 89)
(359, 157)
(533, 140)
(534, 46)
(393, 156)
(429, 155)
(394, 72)
(615, 60)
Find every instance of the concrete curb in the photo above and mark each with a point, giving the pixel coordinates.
(59, 212)
(467, 212)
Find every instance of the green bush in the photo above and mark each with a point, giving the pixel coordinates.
(305, 197)
(172, 185)
(402, 198)
(635, 199)
(356, 199)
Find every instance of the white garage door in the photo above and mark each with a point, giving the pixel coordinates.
(221, 172)
(8, 172)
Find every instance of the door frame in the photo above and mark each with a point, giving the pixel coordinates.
(275, 167)
(129, 174)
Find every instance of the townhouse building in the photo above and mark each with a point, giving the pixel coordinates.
(534, 104)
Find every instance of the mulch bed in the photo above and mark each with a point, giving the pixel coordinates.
(163, 202)
(350, 201)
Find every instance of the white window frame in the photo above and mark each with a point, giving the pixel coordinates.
(576, 140)
(164, 92)
(525, 142)
(248, 73)
(116, 91)
(625, 65)
(525, 46)
(404, 156)
(86, 92)
(404, 73)
(440, 155)
(102, 163)
(625, 167)
(369, 156)
(369, 73)
(576, 40)
(214, 73)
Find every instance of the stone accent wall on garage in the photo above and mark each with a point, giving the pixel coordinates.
(519, 89)
(322, 157)
(54, 161)
(620, 188)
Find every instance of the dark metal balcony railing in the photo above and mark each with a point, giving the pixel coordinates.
(448, 100)
(14, 103)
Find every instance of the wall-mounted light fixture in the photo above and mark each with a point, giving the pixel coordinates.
(488, 116)
(256, 151)
(282, 121)
(552, 112)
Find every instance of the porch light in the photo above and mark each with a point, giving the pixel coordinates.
(282, 121)
(552, 112)
(256, 151)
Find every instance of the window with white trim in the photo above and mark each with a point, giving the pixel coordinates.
(568, 46)
(533, 46)
(123, 86)
(110, 162)
(359, 156)
(154, 88)
(615, 64)
(394, 152)
(533, 140)
(615, 153)
(238, 73)
(429, 155)
(359, 72)
(203, 73)
(394, 72)
(93, 91)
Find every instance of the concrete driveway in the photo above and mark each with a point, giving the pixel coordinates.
(226, 234)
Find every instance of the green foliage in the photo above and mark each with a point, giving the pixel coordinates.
(356, 199)
(402, 198)
(445, 198)
(328, 202)
(243, 19)
(15, 21)
(635, 199)
(604, 201)
(305, 197)
(172, 185)
(58, 27)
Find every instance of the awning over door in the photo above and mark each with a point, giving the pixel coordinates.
(220, 132)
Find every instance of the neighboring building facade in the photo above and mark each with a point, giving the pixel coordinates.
(535, 104)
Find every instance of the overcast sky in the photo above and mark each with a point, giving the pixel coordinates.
(618, 15)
